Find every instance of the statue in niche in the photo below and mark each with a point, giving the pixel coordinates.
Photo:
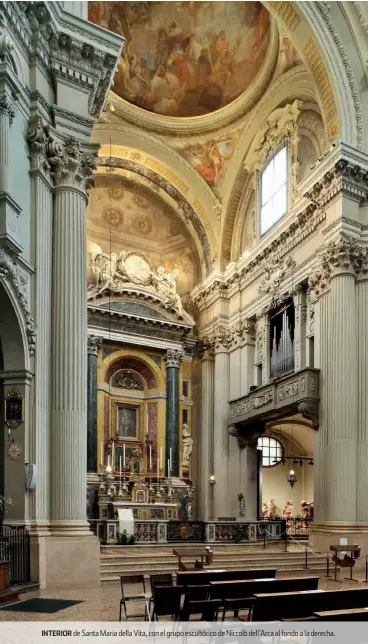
(187, 445)
(272, 512)
(265, 510)
(288, 510)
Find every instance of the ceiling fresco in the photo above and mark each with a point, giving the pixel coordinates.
(186, 59)
(123, 216)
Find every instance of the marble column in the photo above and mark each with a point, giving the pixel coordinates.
(206, 464)
(221, 430)
(173, 359)
(71, 169)
(343, 393)
(94, 344)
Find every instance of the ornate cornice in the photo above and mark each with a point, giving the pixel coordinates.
(45, 35)
(173, 358)
(94, 344)
(228, 338)
(15, 278)
(344, 177)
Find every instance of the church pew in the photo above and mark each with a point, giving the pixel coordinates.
(205, 576)
(346, 615)
(291, 605)
(248, 588)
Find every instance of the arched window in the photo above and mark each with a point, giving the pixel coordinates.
(274, 190)
(272, 451)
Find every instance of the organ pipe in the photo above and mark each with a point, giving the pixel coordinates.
(282, 341)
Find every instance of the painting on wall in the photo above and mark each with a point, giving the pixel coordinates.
(185, 58)
(289, 57)
(210, 159)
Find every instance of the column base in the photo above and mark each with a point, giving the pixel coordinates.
(324, 535)
(65, 561)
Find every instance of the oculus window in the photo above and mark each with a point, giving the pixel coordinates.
(274, 190)
(272, 451)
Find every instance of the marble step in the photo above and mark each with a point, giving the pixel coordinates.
(123, 563)
(217, 559)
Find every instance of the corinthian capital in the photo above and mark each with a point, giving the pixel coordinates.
(6, 107)
(173, 358)
(343, 256)
(94, 344)
(38, 138)
(70, 165)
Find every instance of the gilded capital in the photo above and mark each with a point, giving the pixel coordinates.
(94, 344)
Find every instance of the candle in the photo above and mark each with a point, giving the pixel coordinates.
(102, 454)
(112, 454)
(108, 460)
(158, 471)
(160, 458)
(168, 467)
(124, 455)
(170, 459)
(120, 465)
(150, 455)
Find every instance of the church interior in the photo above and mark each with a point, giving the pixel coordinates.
(184, 307)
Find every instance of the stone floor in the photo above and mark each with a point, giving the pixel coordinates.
(102, 604)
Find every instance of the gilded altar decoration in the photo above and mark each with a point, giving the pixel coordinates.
(186, 58)
(117, 273)
(14, 409)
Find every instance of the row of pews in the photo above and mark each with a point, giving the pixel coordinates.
(267, 598)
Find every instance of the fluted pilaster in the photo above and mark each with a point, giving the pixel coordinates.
(362, 440)
(321, 437)
(221, 432)
(206, 468)
(343, 399)
(6, 118)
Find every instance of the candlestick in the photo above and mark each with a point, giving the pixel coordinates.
(102, 454)
(124, 455)
(112, 454)
(120, 466)
(168, 467)
(170, 460)
(150, 456)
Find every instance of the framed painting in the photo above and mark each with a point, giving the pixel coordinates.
(127, 422)
(13, 409)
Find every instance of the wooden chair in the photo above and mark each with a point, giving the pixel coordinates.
(167, 601)
(208, 609)
(193, 593)
(141, 597)
(159, 579)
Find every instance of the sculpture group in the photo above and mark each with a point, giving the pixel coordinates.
(270, 510)
(114, 272)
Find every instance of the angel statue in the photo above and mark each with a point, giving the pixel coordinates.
(106, 269)
(166, 286)
(288, 510)
(187, 444)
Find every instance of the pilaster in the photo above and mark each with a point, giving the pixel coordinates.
(206, 464)
(300, 308)
(221, 420)
(41, 215)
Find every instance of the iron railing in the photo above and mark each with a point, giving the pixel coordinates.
(297, 527)
(15, 548)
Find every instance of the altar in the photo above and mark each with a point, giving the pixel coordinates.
(151, 511)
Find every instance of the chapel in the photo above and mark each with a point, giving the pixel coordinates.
(183, 278)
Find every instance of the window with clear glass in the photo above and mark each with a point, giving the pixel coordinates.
(274, 190)
(272, 451)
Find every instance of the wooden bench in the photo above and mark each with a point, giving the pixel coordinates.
(346, 615)
(248, 588)
(292, 605)
(205, 576)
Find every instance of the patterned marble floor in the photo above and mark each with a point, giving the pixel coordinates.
(102, 604)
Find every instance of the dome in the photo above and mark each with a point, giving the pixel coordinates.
(186, 59)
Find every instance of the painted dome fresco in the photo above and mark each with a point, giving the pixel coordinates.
(185, 59)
